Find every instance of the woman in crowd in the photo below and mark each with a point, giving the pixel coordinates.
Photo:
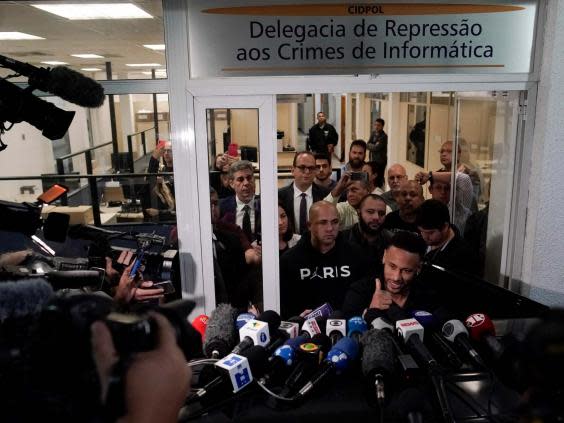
(286, 236)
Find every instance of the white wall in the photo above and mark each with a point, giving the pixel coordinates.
(543, 264)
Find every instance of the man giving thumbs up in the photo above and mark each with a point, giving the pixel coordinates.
(399, 285)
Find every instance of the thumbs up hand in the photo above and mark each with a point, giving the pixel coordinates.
(381, 299)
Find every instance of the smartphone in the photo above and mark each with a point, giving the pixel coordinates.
(167, 286)
(161, 144)
(359, 176)
(52, 194)
(137, 264)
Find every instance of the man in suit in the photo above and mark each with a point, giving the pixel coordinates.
(298, 197)
(243, 208)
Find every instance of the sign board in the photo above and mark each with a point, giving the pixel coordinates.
(285, 37)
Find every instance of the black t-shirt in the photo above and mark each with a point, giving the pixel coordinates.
(309, 278)
(394, 223)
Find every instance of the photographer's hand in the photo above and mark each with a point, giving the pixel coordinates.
(156, 383)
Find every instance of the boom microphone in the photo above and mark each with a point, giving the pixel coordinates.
(63, 82)
(220, 332)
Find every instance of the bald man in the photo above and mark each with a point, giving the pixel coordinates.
(396, 175)
(321, 267)
(409, 197)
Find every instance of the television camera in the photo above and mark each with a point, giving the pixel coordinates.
(18, 104)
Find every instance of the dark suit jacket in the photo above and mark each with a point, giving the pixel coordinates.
(286, 198)
(228, 212)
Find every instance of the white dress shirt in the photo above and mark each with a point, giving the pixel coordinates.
(241, 213)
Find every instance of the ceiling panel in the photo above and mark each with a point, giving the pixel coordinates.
(119, 41)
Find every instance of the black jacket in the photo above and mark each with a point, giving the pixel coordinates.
(372, 250)
(317, 141)
(421, 297)
(286, 198)
(457, 256)
(309, 278)
(378, 147)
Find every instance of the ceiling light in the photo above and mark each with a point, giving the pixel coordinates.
(54, 62)
(90, 69)
(88, 56)
(158, 72)
(155, 46)
(18, 36)
(80, 11)
(143, 65)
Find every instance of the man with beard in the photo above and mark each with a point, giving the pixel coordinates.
(398, 286)
(348, 210)
(368, 233)
(357, 154)
(409, 197)
(321, 267)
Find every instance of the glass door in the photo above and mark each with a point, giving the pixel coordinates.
(236, 154)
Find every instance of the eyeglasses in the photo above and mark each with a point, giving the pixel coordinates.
(308, 168)
(168, 150)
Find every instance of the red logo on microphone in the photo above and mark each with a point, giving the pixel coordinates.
(474, 320)
(408, 324)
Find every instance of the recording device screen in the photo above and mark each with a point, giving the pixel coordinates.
(52, 194)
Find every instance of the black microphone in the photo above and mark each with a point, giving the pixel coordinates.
(309, 355)
(377, 360)
(411, 405)
(220, 334)
(455, 332)
(61, 81)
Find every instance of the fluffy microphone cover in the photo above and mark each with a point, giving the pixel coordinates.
(377, 352)
(75, 87)
(221, 328)
(23, 298)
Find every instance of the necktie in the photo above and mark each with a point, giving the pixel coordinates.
(247, 223)
(303, 213)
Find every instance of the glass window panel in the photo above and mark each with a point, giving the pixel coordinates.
(233, 150)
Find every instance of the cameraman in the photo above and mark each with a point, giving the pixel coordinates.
(156, 382)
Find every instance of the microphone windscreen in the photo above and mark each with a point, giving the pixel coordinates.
(373, 313)
(23, 298)
(74, 87)
(220, 331)
(273, 320)
(243, 318)
(479, 325)
(258, 359)
(323, 341)
(200, 323)
(378, 352)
